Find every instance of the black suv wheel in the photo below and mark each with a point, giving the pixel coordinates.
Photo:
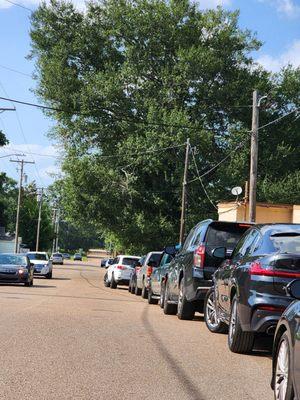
(239, 341)
(186, 309)
(150, 298)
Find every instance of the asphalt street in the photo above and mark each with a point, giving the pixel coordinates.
(72, 338)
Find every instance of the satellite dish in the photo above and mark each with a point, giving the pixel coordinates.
(236, 191)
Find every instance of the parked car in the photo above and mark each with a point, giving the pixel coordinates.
(190, 273)
(106, 262)
(77, 257)
(41, 262)
(16, 268)
(120, 271)
(286, 350)
(142, 277)
(132, 282)
(66, 256)
(57, 258)
(248, 293)
(156, 280)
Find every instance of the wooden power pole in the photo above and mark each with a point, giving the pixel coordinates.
(21, 162)
(184, 193)
(39, 220)
(253, 158)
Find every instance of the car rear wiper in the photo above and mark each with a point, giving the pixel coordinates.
(285, 234)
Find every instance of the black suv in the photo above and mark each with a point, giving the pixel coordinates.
(189, 275)
(249, 288)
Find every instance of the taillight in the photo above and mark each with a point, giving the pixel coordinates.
(266, 307)
(121, 267)
(199, 257)
(149, 271)
(257, 269)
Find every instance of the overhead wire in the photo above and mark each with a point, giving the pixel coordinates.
(16, 71)
(24, 137)
(201, 182)
(19, 5)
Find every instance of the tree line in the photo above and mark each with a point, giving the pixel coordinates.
(129, 81)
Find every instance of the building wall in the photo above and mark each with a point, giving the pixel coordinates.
(265, 213)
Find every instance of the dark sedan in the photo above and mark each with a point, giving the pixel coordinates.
(155, 291)
(286, 350)
(16, 268)
(249, 287)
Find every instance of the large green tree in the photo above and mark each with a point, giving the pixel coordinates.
(130, 81)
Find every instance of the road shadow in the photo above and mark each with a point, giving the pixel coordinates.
(190, 388)
(61, 279)
(43, 286)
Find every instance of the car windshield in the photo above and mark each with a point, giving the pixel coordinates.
(12, 259)
(129, 261)
(57, 255)
(286, 242)
(37, 256)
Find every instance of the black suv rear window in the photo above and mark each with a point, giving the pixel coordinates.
(225, 235)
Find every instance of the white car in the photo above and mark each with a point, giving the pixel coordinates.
(42, 263)
(119, 272)
(57, 258)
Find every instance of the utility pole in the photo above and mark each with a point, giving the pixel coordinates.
(57, 230)
(39, 219)
(54, 229)
(21, 162)
(253, 158)
(184, 193)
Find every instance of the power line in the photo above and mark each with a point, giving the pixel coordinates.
(19, 5)
(14, 70)
(203, 187)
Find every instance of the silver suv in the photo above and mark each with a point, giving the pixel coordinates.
(142, 280)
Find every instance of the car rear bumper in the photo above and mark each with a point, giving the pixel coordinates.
(202, 288)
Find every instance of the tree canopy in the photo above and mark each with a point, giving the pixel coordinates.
(129, 82)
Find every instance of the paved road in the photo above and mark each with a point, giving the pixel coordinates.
(71, 338)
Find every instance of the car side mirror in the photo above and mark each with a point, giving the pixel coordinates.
(293, 289)
(219, 252)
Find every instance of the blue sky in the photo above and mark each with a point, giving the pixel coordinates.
(276, 22)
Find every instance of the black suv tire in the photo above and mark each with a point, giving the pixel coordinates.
(239, 341)
(144, 291)
(210, 314)
(185, 309)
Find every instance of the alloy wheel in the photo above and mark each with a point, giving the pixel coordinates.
(282, 371)
(211, 313)
(180, 297)
(232, 325)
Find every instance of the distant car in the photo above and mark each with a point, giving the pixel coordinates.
(137, 267)
(42, 264)
(142, 279)
(16, 268)
(66, 256)
(103, 263)
(57, 258)
(286, 350)
(248, 294)
(120, 271)
(77, 257)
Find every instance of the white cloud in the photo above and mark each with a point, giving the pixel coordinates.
(205, 4)
(290, 56)
(46, 162)
(288, 8)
